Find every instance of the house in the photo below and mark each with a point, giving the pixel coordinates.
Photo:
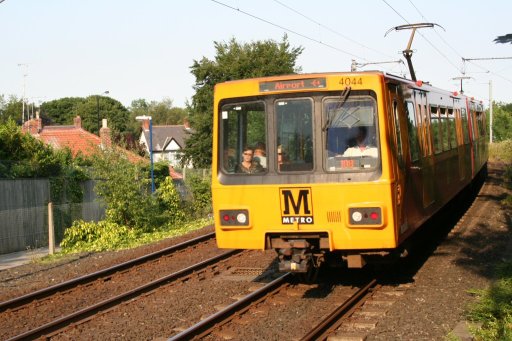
(78, 140)
(168, 141)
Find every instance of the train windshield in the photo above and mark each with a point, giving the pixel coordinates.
(294, 135)
(244, 138)
(350, 133)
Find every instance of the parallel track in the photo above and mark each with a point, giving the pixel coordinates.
(39, 294)
(111, 302)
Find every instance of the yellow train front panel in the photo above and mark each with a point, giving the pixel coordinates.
(343, 211)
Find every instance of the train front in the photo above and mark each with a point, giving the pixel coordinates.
(300, 166)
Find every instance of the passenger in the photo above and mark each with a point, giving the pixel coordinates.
(361, 148)
(260, 154)
(281, 157)
(248, 165)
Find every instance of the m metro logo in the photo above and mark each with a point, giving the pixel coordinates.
(296, 205)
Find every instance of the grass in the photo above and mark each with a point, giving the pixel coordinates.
(494, 307)
(493, 311)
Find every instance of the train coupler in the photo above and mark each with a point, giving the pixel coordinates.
(294, 260)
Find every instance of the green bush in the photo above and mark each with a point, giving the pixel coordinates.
(170, 203)
(91, 236)
(200, 189)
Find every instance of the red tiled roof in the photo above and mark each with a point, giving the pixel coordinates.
(78, 140)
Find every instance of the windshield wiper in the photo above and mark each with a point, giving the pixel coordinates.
(330, 114)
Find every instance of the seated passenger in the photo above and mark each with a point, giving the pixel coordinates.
(361, 148)
(248, 165)
(260, 155)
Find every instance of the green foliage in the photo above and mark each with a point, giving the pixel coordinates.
(232, 61)
(200, 189)
(10, 109)
(23, 156)
(170, 203)
(162, 113)
(501, 151)
(123, 187)
(502, 122)
(494, 308)
(91, 236)
(64, 110)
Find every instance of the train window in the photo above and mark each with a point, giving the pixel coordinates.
(242, 133)
(350, 134)
(294, 135)
(436, 124)
(480, 118)
(446, 128)
(398, 133)
(414, 147)
(453, 130)
(465, 128)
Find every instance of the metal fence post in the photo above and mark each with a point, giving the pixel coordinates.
(51, 232)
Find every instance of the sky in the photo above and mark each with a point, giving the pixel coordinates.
(144, 49)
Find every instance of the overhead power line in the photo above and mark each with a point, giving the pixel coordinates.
(287, 29)
(331, 30)
(423, 36)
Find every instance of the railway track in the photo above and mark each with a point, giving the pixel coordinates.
(16, 310)
(82, 280)
(325, 327)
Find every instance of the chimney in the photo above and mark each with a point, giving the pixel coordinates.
(106, 139)
(145, 125)
(77, 122)
(186, 123)
(33, 126)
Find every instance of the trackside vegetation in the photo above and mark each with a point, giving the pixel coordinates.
(493, 311)
(134, 215)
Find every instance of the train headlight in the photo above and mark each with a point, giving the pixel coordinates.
(241, 218)
(357, 216)
(234, 217)
(367, 216)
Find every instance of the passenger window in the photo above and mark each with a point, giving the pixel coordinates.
(294, 135)
(350, 134)
(413, 132)
(243, 138)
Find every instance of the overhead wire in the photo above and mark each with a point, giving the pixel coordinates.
(463, 70)
(287, 29)
(423, 36)
(331, 30)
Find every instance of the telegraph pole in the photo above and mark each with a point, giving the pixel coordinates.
(25, 74)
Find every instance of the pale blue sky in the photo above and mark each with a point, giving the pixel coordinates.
(144, 49)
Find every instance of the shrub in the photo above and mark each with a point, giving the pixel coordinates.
(91, 236)
(200, 189)
(170, 203)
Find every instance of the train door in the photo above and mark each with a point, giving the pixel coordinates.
(397, 127)
(426, 155)
(413, 196)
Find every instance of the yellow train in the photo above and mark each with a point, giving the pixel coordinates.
(345, 166)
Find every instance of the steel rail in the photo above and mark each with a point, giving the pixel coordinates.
(205, 326)
(42, 293)
(333, 320)
(91, 310)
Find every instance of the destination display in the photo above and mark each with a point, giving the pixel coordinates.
(294, 84)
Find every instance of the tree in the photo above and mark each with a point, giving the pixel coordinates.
(502, 122)
(232, 61)
(10, 109)
(62, 111)
(507, 38)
